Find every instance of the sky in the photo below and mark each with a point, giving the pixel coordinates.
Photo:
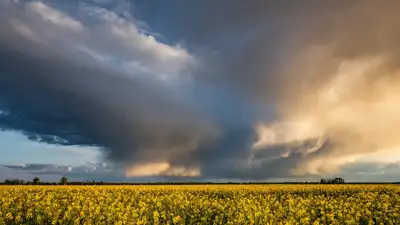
(199, 90)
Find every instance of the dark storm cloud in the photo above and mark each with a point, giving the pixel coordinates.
(86, 75)
(60, 96)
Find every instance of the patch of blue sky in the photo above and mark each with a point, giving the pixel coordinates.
(17, 149)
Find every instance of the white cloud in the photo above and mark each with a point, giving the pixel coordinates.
(54, 16)
(25, 31)
(160, 169)
(356, 112)
(114, 42)
(143, 51)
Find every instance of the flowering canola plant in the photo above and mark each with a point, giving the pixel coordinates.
(201, 204)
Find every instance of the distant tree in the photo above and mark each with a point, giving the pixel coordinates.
(64, 180)
(337, 180)
(14, 181)
(36, 180)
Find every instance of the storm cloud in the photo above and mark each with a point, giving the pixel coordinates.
(216, 89)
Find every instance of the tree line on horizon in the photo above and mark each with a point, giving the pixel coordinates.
(336, 180)
(35, 181)
(64, 181)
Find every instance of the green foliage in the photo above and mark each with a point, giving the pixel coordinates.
(64, 180)
(14, 182)
(337, 180)
(36, 180)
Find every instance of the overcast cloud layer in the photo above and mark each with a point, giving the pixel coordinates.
(220, 89)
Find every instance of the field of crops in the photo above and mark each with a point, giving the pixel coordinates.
(206, 204)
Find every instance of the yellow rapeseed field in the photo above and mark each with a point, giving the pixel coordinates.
(201, 204)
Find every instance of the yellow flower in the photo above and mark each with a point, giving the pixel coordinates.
(176, 219)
